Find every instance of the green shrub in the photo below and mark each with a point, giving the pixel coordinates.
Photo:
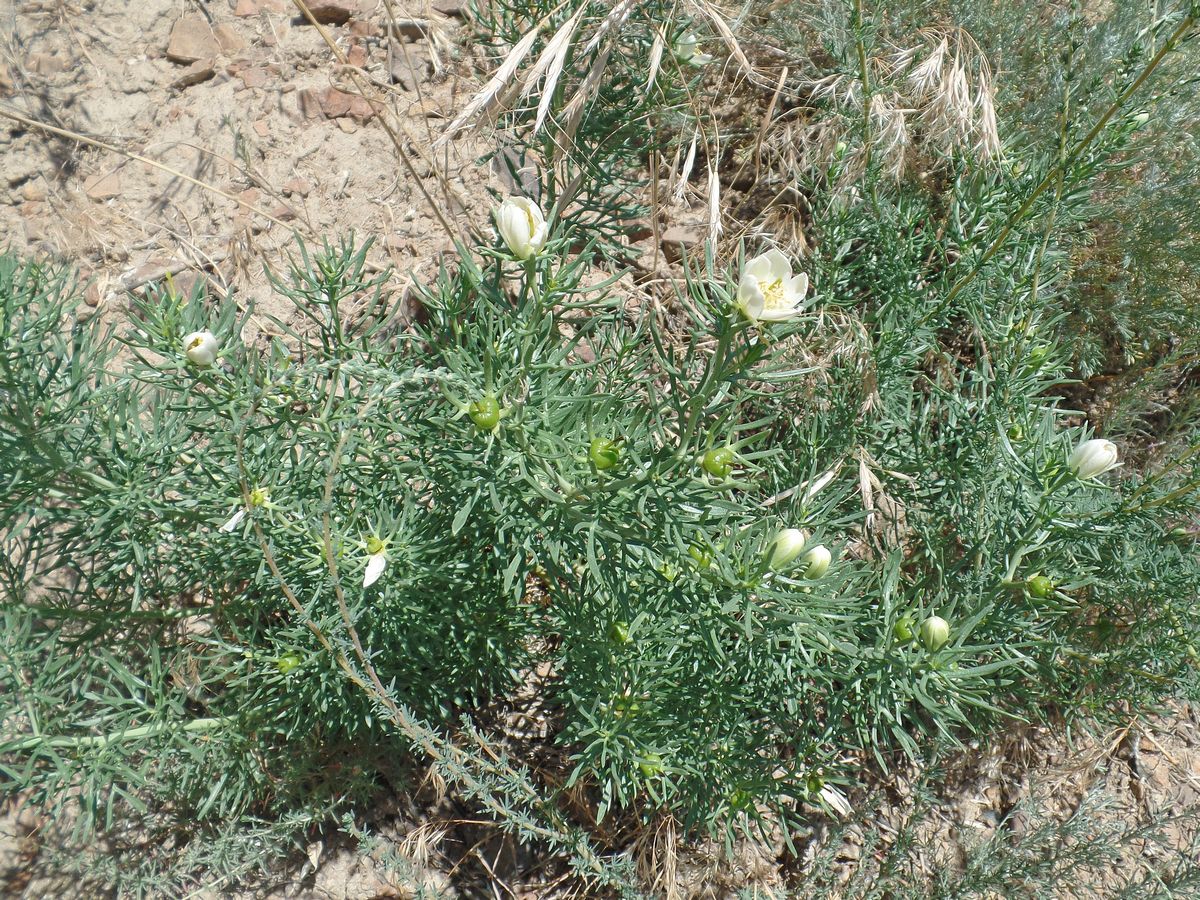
(248, 582)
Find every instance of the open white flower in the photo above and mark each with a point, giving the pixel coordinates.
(201, 348)
(686, 50)
(522, 226)
(768, 291)
(1092, 458)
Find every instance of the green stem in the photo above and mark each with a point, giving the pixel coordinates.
(83, 742)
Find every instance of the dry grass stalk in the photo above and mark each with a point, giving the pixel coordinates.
(486, 98)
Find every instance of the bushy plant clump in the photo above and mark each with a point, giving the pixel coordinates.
(823, 512)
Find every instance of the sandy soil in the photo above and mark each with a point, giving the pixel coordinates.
(259, 119)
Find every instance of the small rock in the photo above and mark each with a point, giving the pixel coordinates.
(332, 12)
(228, 38)
(678, 240)
(33, 192)
(357, 56)
(411, 29)
(310, 103)
(255, 77)
(347, 126)
(361, 28)
(337, 104)
(191, 40)
(103, 186)
(301, 186)
(45, 64)
(283, 212)
(6, 83)
(247, 8)
(200, 70)
(426, 108)
(262, 128)
(448, 7)
(91, 296)
(409, 65)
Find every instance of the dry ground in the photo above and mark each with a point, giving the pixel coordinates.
(244, 96)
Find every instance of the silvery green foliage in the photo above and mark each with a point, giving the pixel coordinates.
(247, 589)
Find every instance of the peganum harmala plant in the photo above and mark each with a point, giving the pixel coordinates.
(241, 583)
(819, 513)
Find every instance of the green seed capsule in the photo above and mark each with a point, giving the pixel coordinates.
(287, 663)
(718, 462)
(1041, 587)
(604, 453)
(651, 765)
(485, 413)
(814, 783)
(1015, 433)
(618, 633)
(904, 629)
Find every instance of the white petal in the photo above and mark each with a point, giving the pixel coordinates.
(781, 266)
(201, 348)
(836, 800)
(750, 296)
(796, 287)
(538, 240)
(375, 566)
(779, 313)
(234, 521)
(758, 268)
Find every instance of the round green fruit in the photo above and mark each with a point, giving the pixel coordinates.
(1040, 587)
(485, 413)
(618, 633)
(718, 462)
(604, 453)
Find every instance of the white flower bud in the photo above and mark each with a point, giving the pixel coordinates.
(201, 348)
(522, 226)
(1092, 458)
(817, 561)
(786, 547)
(935, 631)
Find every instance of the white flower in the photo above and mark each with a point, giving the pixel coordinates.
(685, 51)
(768, 291)
(201, 348)
(1092, 458)
(817, 561)
(522, 226)
(786, 547)
(376, 563)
